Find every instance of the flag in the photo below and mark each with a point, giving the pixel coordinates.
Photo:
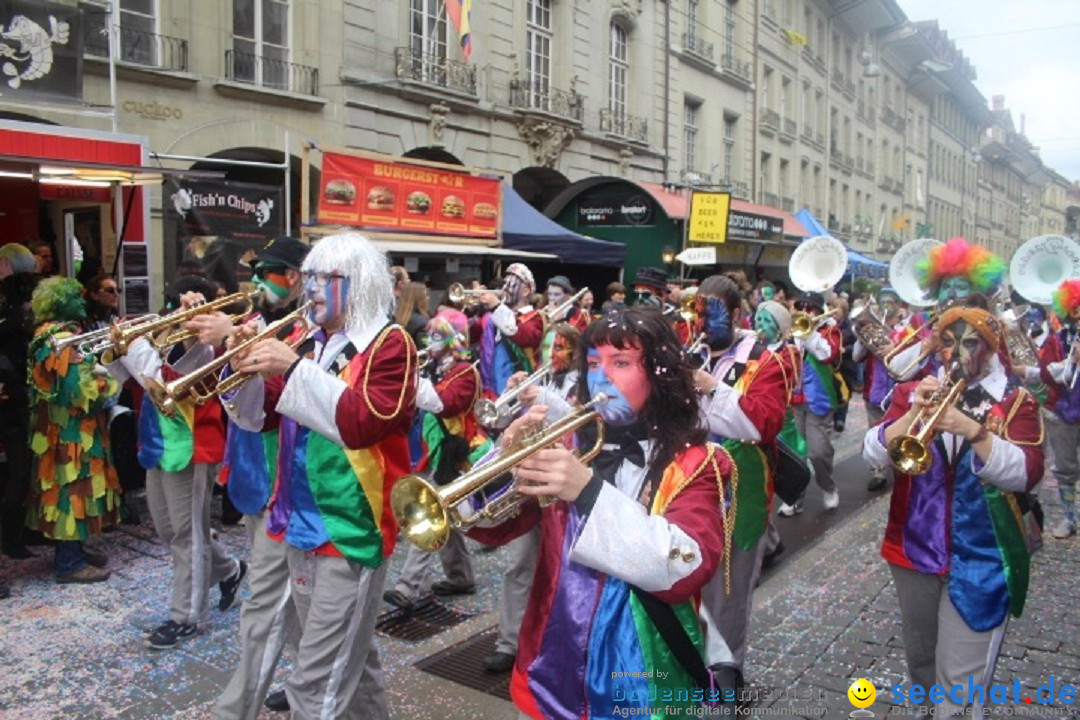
(459, 11)
(796, 37)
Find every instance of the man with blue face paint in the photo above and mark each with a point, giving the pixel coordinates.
(745, 390)
(512, 331)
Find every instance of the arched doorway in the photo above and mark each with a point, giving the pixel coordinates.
(20, 117)
(433, 154)
(539, 185)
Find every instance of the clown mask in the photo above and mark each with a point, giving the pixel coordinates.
(766, 327)
(619, 374)
(962, 344)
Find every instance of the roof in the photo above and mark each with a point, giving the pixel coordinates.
(674, 203)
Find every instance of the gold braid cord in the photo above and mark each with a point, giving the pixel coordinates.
(1021, 396)
(410, 353)
(729, 514)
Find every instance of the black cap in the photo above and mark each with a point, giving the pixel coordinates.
(652, 277)
(812, 298)
(282, 251)
(561, 281)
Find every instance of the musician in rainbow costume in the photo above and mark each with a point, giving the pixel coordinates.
(956, 540)
(512, 331)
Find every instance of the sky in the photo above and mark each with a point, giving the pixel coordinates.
(1028, 51)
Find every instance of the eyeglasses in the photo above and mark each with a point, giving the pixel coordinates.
(321, 279)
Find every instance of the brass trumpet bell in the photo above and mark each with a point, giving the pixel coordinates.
(910, 453)
(164, 332)
(803, 324)
(459, 296)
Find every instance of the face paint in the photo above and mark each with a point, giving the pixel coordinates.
(954, 288)
(767, 293)
(555, 295)
(562, 352)
(962, 344)
(766, 327)
(1036, 317)
(619, 374)
(329, 302)
(274, 287)
(718, 324)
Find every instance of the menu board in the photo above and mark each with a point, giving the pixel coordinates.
(398, 195)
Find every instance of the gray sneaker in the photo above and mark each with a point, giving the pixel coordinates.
(1065, 528)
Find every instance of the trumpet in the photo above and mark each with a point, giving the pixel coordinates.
(96, 342)
(164, 332)
(910, 453)
(688, 307)
(200, 384)
(551, 315)
(490, 413)
(803, 324)
(459, 296)
(427, 512)
(698, 349)
(904, 345)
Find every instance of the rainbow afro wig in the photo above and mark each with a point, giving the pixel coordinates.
(1067, 300)
(452, 328)
(58, 299)
(958, 258)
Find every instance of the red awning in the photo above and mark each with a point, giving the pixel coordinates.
(675, 204)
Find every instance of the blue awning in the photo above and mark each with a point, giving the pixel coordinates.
(526, 228)
(810, 223)
(862, 265)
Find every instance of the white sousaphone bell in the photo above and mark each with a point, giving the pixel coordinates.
(818, 263)
(903, 275)
(1042, 264)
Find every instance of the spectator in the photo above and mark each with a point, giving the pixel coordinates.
(412, 309)
(102, 301)
(616, 298)
(45, 256)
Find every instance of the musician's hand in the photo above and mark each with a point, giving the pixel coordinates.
(924, 391)
(530, 395)
(514, 380)
(536, 415)
(270, 356)
(243, 332)
(955, 422)
(557, 317)
(212, 328)
(554, 472)
(704, 382)
(191, 299)
(490, 300)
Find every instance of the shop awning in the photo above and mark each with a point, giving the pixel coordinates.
(91, 174)
(398, 246)
(526, 228)
(861, 265)
(675, 204)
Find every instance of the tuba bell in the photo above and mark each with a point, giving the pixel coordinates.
(870, 330)
(818, 264)
(427, 512)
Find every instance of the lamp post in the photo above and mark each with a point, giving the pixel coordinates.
(667, 255)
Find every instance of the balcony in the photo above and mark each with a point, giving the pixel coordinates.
(735, 66)
(859, 164)
(835, 155)
(160, 52)
(271, 73)
(623, 125)
(846, 228)
(434, 70)
(770, 121)
(849, 161)
(528, 95)
(808, 133)
(886, 183)
(790, 127)
(770, 199)
(870, 167)
(693, 177)
(849, 89)
(787, 204)
(696, 45)
(893, 119)
(838, 79)
(740, 189)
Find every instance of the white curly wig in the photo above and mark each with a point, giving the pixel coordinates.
(371, 286)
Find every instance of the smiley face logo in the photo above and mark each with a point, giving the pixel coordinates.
(862, 693)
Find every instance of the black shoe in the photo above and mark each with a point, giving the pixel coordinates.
(230, 588)
(398, 599)
(499, 662)
(729, 681)
(95, 558)
(85, 574)
(128, 515)
(169, 634)
(770, 559)
(18, 552)
(876, 484)
(277, 701)
(445, 587)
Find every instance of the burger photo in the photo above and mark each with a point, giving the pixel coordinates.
(339, 192)
(453, 206)
(418, 203)
(485, 211)
(380, 197)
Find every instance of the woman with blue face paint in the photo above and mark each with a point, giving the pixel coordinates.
(630, 541)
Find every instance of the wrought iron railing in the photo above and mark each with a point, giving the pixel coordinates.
(140, 48)
(740, 189)
(735, 66)
(536, 95)
(694, 44)
(271, 73)
(628, 126)
(770, 199)
(696, 177)
(434, 70)
(770, 119)
(791, 127)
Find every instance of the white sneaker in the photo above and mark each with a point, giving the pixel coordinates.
(791, 510)
(1064, 529)
(832, 500)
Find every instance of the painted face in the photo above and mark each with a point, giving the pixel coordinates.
(562, 352)
(647, 296)
(954, 288)
(892, 307)
(328, 293)
(619, 374)
(1036, 316)
(961, 343)
(766, 327)
(516, 290)
(274, 285)
(767, 293)
(555, 294)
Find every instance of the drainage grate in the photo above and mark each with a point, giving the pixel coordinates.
(426, 618)
(464, 664)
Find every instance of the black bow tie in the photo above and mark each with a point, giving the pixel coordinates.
(628, 441)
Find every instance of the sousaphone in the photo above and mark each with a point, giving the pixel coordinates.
(903, 275)
(1041, 264)
(818, 264)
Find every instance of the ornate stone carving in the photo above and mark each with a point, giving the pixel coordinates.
(625, 156)
(437, 123)
(546, 140)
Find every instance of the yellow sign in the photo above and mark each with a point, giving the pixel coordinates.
(709, 217)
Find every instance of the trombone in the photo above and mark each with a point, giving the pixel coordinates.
(490, 413)
(698, 349)
(910, 453)
(97, 341)
(426, 512)
(200, 384)
(803, 323)
(550, 315)
(459, 296)
(166, 331)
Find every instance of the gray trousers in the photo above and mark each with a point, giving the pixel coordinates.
(337, 672)
(517, 582)
(1064, 442)
(729, 613)
(456, 562)
(268, 621)
(179, 504)
(940, 647)
(874, 414)
(816, 429)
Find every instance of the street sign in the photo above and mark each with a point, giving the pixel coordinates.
(697, 256)
(709, 217)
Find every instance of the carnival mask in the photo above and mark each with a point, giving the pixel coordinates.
(766, 327)
(619, 374)
(961, 343)
(956, 287)
(562, 353)
(555, 294)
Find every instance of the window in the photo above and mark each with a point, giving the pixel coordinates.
(428, 33)
(766, 173)
(138, 30)
(729, 149)
(538, 39)
(690, 134)
(691, 21)
(619, 72)
(766, 80)
(785, 100)
(729, 31)
(261, 42)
